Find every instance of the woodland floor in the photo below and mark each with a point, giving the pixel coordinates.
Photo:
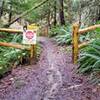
(52, 78)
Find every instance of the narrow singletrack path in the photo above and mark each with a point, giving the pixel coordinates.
(53, 78)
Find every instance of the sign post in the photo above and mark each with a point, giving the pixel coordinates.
(30, 37)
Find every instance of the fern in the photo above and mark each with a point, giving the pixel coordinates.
(9, 56)
(89, 61)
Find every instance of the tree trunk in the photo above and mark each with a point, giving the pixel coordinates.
(10, 14)
(98, 19)
(55, 13)
(79, 12)
(1, 8)
(48, 19)
(48, 16)
(61, 12)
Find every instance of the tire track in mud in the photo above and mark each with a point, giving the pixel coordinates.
(54, 76)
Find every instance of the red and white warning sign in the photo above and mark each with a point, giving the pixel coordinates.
(29, 37)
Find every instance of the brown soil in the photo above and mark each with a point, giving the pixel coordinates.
(53, 78)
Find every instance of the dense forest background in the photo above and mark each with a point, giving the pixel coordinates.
(51, 12)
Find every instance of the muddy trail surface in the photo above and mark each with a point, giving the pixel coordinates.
(52, 78)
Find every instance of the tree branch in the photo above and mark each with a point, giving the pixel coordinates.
(25, 13)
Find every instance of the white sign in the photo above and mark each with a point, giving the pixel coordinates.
(29, 37)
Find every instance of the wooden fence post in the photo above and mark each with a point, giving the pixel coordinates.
(46, 29)
(33, 55)
(75, 49)
(33, 51)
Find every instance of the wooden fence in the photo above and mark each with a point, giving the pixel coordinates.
(76, 33)
(30, 48)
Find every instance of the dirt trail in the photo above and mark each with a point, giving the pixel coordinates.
(53, 78)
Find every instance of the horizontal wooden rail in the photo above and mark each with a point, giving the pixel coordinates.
(83, 44)
(18, 46)
(91, 28)
(10, 30)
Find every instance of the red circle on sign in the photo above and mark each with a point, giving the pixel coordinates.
(29, 34)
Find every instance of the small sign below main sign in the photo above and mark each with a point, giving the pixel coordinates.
(29, 37)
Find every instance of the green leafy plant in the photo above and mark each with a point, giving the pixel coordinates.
(62, 34)
(64, 37)
(10, 56)
(90, 58)
(89, 61)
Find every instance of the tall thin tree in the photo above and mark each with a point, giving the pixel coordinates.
(61, 12)
(10, 13)
(1, 8)
(55, 13)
